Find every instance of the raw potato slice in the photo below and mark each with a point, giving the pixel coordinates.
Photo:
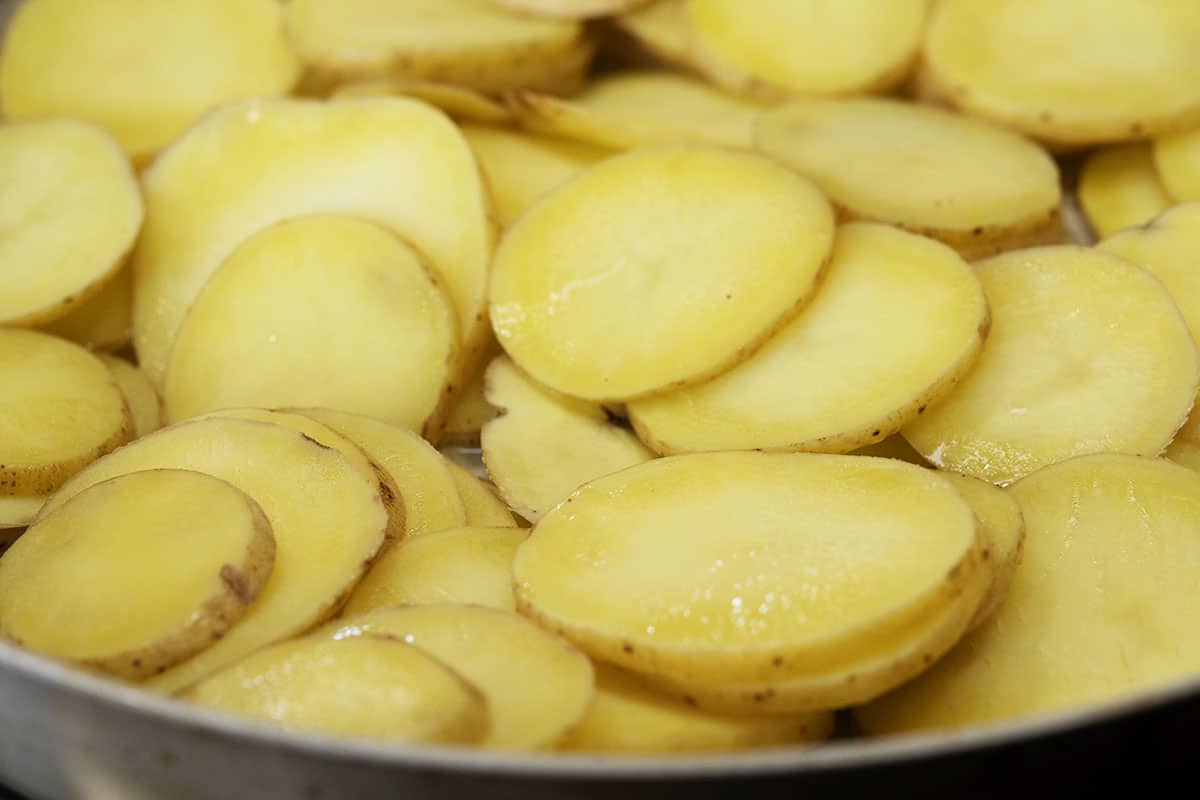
(627, 717)
(461, 565)
(101, 581)
(963, 181)
(321, 311)
(69, 209)
(471, 410)
(1132, 71)
(635, 109)
(1177, 157)
(537, 686)
(370, 686)
(60, 410)
(1119, 188)
(328, 519)
(396, 162)
(1100, 609)
(142, 69)
(1184, 453)
(1087, 353)
(418, 472)
(139, 394)
(545, 445)
(102, 322)
(810, 47)
(662, 28)
(460, 102)
(17, 512)
(740, 239)
(898, 322)
(482, 507)
(521, 168)
(571, 9)
(858, 552)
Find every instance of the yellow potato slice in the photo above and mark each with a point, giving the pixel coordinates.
(328, 519)
(396, 162)
(963, 181)
(136, 573)
(521, 168)
(1177, 157)
(102, 322)
(1133, 70)
(460, 102)
(383, 346)
(663, 29)
(893, 447)
(482, 506)
(537, 686)
(545, 445)
(69, 208)
(572, 9)
(627, 717)
(1087, 353)
(801, 568)
(139, 394)
(635, 109)
(1119, 188)
(1093, 614)
(142, 69)
(461, 565)
(810, 47)
(368, 686)
(17, 512)
(470, 411)
(417, 471)
(691, 255)
(898, 322)
(60, 410)
(1184, 453)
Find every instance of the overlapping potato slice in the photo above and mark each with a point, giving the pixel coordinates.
(1119, 187)
(60, 410)
(139, 394)
(102, 322)
(328, 519)
(691, 255)
(142, 69)
(459, 102)
(1177, 157)
(1184, 452)
(1087, 353)
(662, 29)
(369, 686)
(460, 565)
(572, 9)
(791, 582)
(470, 409)
(483, 508)
(544, 445)
(70, 210)
(634, 109)
(537, 686)
(1100, 609)
(396, 162)
(18, 512)
(897, 323)
(101, 582)
(970, 184)
(1131, 71)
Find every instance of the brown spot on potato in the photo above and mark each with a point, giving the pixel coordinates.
(386, 493)
(236, 582)
(627, 648)
(689, 700)
(776, 662)
(921, 410)
(314, 441)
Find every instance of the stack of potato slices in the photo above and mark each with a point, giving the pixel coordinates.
(603, 376)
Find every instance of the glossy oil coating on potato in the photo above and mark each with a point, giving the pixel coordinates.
(1119, 187)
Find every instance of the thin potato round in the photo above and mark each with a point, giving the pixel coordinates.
(1177, 157)
(545, 445)
(470, 411)
(104, 321)
(139, 394)
(368, 686)
(383, 344)
(136, 573)
(1184, 453)
(482, 506)
(960, 180)
(18, 512)
(1087, 353)
(740, 238)
(537, 686)
(459, 102)
(60, 410)
(571, 9)
(662, 28)
(1119, 188)
(899, 320)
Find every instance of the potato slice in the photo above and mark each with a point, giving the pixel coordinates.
(142, 69)
(537, 686)
(1132, 71)
(60, 410)
(1184, 453)
(368, 686)
(545, 445)
(898, 322)
(628, 717)
(483, 507)
(965, 182)
(620, 244)
(1087, 353)
(384, 346)
(396, 162)
(18, 512)
(328, 519)
(101, 582)
(470, 410)
(521, 168)
(102, 322)
(571, 9)
(810, 47)
(70, 212)
(635, 109)
(460, 102)
(1119, 188)
(663, 29)
(1177, 157)
(139, 394)
(1094, 612)
(460, 565)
